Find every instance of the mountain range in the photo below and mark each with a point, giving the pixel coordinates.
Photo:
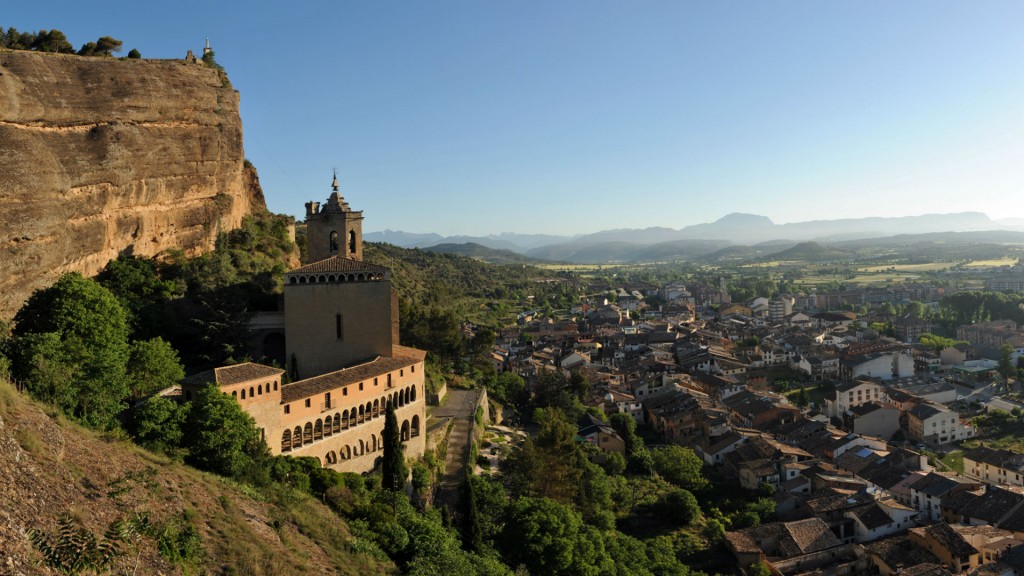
(758, 233)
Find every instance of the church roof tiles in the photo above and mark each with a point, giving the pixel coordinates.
(337, 264)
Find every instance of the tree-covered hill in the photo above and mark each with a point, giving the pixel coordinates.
(471, 289)
(482, 253)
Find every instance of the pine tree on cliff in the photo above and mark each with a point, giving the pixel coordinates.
(393, 469)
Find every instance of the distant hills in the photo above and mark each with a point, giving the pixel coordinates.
(736, 236)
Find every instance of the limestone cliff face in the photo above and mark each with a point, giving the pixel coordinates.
(100, 156)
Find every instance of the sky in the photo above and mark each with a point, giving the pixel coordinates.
(481, 117)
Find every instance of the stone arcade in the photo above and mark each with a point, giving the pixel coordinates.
(341, 337)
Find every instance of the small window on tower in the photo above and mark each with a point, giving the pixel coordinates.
(334, 242)
(337, 326)
(351, 242)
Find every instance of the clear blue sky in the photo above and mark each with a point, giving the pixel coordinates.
(567, 117)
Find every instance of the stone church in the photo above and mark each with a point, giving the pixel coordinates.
(344, 360)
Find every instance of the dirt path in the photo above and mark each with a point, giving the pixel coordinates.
(460, 407)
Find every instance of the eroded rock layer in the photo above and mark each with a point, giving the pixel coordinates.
(100, 156)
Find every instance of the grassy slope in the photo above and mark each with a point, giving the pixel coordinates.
(49, 466)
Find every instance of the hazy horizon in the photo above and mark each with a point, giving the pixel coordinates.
(463, 118)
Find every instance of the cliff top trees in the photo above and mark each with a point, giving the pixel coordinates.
(56, 41)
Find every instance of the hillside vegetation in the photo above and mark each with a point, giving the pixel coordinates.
(51, 469)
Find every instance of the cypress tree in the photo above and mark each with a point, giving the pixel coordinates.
(472, 533)
(393, 471)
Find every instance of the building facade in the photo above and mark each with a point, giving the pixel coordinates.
(341, 337)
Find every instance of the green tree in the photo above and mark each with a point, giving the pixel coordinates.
(472, 532)
(579, 384)
(759, 569)
(393, 470)
(560, 468)
(491, 500)
(638, 458)
(106, 45)
(680, 466)
(144, 295)
(152, 366)
(134, 54)
(542, 535)
(52, 41)
(1006, 367)
(614, 464)
(89, 345)
(680, 505)
(507, 387)
(220, 436)
(159, 424)
(801, 397)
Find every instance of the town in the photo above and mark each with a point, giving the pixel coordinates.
(859, 437)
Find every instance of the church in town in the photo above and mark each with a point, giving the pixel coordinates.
(343, 359)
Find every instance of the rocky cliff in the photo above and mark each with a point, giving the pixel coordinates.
(99, 156)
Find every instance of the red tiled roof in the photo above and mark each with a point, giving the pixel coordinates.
(234, 374)
(337, 264)
(403, 357)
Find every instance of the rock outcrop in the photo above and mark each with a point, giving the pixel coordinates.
(100, 156)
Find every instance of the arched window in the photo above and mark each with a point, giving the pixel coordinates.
(373, 443)
(297, 437)
(251, 390)
(332, 458)
(415, 426)
(362, 414)
(376, 408)
(234, 393)
(275, 385)
(336, 427)
(344, 420)
(318, 430)
(259, 389)
(307, 434)
(334, 241)
(412, 393)
(405, 431)
(243, 393)
(351, 242)
(286, 441)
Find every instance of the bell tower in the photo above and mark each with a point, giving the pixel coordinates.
(333, 229)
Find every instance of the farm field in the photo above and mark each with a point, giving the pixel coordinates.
(884, 278)
(926, 267)
(991, 263)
